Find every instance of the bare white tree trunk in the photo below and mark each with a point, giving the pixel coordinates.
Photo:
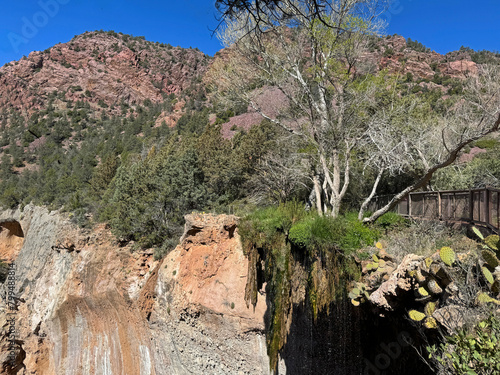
(317, 191)
(368, 199)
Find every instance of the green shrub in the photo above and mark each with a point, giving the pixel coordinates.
(168, 245)
(300, 233)
(391, 219)
(488, 143)
(389, 52)
(325, 231)
(356, 233)
(470, 351)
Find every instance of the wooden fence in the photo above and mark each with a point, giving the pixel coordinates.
(478, 206)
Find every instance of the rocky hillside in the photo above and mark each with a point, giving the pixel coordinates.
(420, 70)
(102, 69)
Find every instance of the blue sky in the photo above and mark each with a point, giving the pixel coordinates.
(27, 25)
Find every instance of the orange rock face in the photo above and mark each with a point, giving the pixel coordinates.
(211, 270)
(11, 240)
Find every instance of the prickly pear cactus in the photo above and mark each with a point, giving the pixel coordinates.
(429, 308)
(418, 316)
(488, 275)
(493, 242)
(358, 294)
(483, 298)
(354, 293)
(423, 292)
(373, 266)
(430, 323)
(495, 287)
(490, 258)
(478, 233)
(415, 315)
(428, 262)
(447, 255)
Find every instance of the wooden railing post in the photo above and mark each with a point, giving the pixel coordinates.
(487, 205)
(440, 217)
(471, 206)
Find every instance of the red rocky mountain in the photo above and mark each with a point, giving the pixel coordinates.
(100, 67)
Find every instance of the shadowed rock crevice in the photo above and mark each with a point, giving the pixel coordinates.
(11, 240)
(13, 226)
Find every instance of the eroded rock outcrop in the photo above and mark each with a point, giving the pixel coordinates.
(206, 326)
(85, 305)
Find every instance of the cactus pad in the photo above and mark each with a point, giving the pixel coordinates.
(495, 287)
(487, 274)
(428, 262)
(372, 266)
(447, 255)
(478, 233)
(416, 315)
(423, 292)
(354, 293)
(430, 323)
(429, 308)
(493, 242)
(490, 258)
(483, 298)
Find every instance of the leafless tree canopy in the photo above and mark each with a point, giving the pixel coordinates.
(307, 53)
(265, 12)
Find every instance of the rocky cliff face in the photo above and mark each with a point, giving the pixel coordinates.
(85, 305)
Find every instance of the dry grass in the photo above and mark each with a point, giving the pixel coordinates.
(425, 238)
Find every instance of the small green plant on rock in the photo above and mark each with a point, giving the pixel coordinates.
(490, 261)
(359, 294)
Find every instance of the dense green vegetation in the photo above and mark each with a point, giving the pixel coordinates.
(142, 178)
(417, 46)
(482, 171)
(482, 56)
